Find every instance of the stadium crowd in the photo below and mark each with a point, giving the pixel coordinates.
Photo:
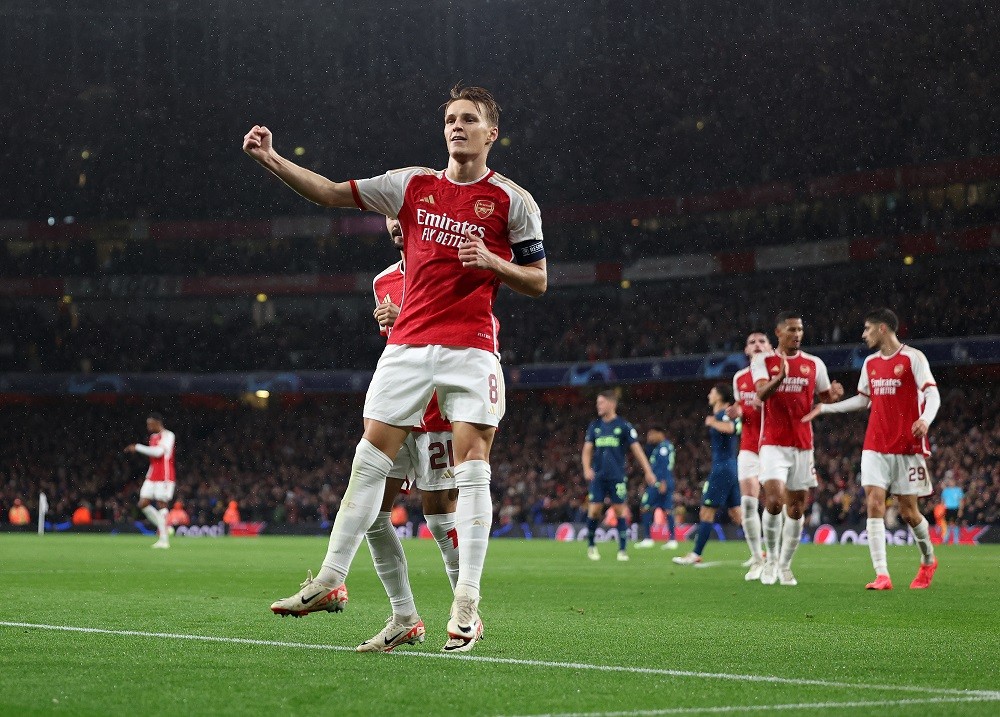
(290, 465)
(745, 93)
(937, 296)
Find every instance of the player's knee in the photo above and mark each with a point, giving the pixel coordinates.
(472, 473)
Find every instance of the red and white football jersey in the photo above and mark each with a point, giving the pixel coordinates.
(895, 385)
(746, 395)
(445, 303)
(162, 468)
(389, 284)
(781, 415)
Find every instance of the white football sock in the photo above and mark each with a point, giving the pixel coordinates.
(771, 525)
(153, 516)
(751, 526)
(876, 545)
(791, 535)
(163, 523)
(390, 565)
(923, 537)
(358, 510)
(473, 519)
(442, 527)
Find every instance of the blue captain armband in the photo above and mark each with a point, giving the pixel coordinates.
(528, 252)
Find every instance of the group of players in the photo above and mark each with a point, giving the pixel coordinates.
(437, 395)
(760, 431)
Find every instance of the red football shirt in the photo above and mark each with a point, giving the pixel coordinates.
(162, 468)
(781, 414)
(895, 385)
(445, 303)
(390, 284)
(746, 394)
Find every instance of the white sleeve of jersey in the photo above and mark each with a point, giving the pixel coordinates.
(736, 390)
(921, 369)
(384, 193)
(758, 368)
(524, 222)
(863, 386)
(822, 377)
(167, 442)
(152, 451)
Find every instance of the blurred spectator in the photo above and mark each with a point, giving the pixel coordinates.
(178, 516)
(18, 513)
(232, 514)
(82, 515)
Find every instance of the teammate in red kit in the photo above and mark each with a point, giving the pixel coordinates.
(786, 382)
(425, 461)
(160, 478)
(747, 407)
(897, 384)
(466, 231)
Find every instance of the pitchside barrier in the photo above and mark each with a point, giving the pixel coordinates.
(825, 534)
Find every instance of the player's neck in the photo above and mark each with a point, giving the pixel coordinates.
(609, 418)
(788, 350)
(466, 171)
(890, 346)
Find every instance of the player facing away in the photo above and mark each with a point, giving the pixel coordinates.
(722, 487)
(466, 231)
(662, 456)
(747, 407)
(786, 382)
(160, 477)
(603, 457)
(896, 383)
(424, 461)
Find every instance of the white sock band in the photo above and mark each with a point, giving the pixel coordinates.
(390, 564)
(473, 520)
(876, 545)
(442, 527)
(358, 509)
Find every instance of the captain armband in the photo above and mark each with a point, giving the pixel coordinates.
(528, 252)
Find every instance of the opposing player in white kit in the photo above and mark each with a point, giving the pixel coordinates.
(425, 461)
(466, 231)
(786, 382)
(160, 477)
(747, 407)
(897, 384)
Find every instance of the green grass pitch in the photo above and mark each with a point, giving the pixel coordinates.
(563, 635)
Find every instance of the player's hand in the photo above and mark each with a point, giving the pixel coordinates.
(734, 411)
(663, 487)
(385, 313)
(709, 421)
(817, 409)
(783, 371)
(257, 142)
(836, 391)
(920, 428)
(650, 479)
(588, 473)
(130, 448)
(474, 255)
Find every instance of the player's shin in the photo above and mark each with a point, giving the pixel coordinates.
(876, 545)
(791, 535)
(442, 527)
(703, 534)
(622, 527)
(390, 565)
(474, 518)
(752, 526)
(647, 525)
(153, 516)
(358, 510)
(771, 527)
(922, 536)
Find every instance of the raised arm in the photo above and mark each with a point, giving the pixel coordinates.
(314, 187)
(767, 387)
(529, 279)
(858, 402)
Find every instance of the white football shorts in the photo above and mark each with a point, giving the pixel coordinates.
(469, 385)
(407, 465)
(792, 466)
(747, 465)
(160, 490)
(896, 474)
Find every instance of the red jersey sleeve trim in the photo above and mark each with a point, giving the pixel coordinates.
(929, 383)
(864, 394)
(357, 195)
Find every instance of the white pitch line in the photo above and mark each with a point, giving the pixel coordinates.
(731, 709)
(984, 694)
